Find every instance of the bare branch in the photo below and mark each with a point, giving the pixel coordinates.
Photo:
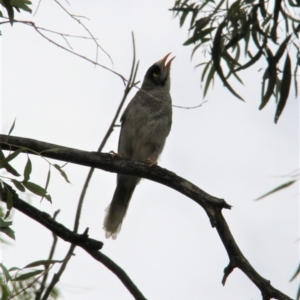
(130, 85)
(77, 18)
(82, 240)
(40, 29)
(50, 257)
(190, 107)
(213, 206)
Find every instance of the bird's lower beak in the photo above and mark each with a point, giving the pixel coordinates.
(169, 62)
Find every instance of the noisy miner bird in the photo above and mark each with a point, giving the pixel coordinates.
(146, 123)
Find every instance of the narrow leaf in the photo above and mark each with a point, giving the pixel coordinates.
(216, 56)
(183, 17)
(42, 263)
(208, 79)
(285, 88)
(8, 167)
(47, 181)
(5, 272)
(296, 273)
(63, 173)
(27, 275)
(27, 170)
(14, 269)
(282, 48)
(18, 185)
(12, 127)
(8, 231)
(205, 70)
(5, 223)
(272, 73)
(36, 189)
(7, 214)
(23, 4)
(10, 157)
(282, 186)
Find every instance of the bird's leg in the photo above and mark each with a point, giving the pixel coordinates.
(151, 162)
(115, 154)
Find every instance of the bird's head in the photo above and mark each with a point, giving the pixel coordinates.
(158, 75)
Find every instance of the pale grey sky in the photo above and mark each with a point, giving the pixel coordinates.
(228, 148)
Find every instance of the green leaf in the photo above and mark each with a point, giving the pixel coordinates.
(205, 70)
(5, 272)
(270, 73)
(282, 48)
(5, 223)
(14, 269)
(10, 10)
(7, 214)
(42, 263)
(11, 170)
(5, 292)
(296, 273)
(10, 157)
(47, 181)
(208, 79)
(216, 56)
(27, 275)
(18, 185)
(8, 231)
(183, 17)
(285, 87)
(198, 36)
(27, 170)
(282, 186)
(12, 127)
(36, 189)
(63, 174)
(8, 167)
(22, 4)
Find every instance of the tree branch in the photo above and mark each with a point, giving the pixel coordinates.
(130, 84)
(82, 240)
(213, 206)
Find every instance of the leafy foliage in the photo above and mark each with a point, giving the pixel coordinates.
(21, 185)
(23, 283)
(258, 29)
(10, 5)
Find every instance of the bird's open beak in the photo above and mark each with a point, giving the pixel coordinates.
(169, 62)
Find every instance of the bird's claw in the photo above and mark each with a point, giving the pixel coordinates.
(115, 154)
(151, 162)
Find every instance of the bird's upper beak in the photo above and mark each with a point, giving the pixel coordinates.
(169, 62)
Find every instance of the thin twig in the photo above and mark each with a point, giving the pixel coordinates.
(38, 29)
(190, 107)
(212, 206)
(84, 242)
(50, 257)
(76, 18)
(130, 85)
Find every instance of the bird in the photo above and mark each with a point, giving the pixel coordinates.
(145, 125)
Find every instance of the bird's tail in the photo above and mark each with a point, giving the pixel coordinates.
(117, 209)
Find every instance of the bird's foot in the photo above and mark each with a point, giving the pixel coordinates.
(115, 154)
(151, 162)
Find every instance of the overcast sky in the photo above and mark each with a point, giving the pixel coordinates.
(228, 148)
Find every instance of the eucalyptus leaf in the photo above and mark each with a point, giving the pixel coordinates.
(27, 275)
(8, 231)
(280, 187)
(10, 157)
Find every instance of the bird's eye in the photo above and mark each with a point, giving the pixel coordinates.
(156, 71)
